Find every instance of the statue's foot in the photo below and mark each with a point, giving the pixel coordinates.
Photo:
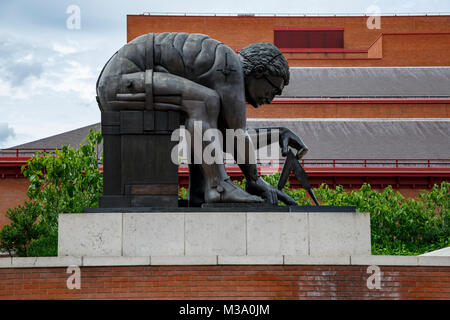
(228, 192)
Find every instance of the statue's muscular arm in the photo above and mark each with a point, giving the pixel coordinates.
(233, 116)
(231, 90)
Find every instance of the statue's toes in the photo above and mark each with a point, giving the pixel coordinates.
(236, 196)
(241, 196)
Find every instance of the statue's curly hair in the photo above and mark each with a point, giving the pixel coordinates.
(267, 55)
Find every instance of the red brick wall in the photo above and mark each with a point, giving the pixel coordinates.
(227, 282)
(400, 47)
(13, 191)
(396, 51)
(350, 110)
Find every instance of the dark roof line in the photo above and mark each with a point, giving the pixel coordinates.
(369, 82)
(335, 138)
(72, 137)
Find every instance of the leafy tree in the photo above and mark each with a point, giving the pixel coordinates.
(65, 181)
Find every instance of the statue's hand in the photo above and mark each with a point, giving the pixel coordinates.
(290, 139)
(266, 191)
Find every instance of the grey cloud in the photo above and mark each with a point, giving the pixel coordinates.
(6, 132)
(18, 72)
(20, 60)
(95, 15)
(23, 58)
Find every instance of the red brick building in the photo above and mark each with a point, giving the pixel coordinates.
(372, 104)
(402, 41)
(331, 41)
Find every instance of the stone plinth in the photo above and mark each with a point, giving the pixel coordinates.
(193, 234)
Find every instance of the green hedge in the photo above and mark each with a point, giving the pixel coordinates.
(399, 226)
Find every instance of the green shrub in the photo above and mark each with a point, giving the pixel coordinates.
(399, 226)
(23, 229)
(65, 181)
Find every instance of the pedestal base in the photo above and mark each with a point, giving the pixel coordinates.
(214, 234)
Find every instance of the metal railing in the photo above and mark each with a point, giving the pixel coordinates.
(20, 154)
(370, 163)
(357, 163)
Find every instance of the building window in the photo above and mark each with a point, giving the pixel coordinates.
(309, 38)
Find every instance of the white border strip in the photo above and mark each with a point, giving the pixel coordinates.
(65, 261)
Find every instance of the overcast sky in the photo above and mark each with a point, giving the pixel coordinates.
(48, 71)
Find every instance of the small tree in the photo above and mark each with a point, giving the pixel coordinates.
(65, 181)
(23, 229)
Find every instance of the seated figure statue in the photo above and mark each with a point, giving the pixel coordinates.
(208, 82)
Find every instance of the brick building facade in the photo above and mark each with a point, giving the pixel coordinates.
(362, 124)
(398, 72)
(401, 40)
(408, 41)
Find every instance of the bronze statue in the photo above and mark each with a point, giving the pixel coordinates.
(204, 80)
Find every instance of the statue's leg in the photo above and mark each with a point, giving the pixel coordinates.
(201, 106)
(196, 195)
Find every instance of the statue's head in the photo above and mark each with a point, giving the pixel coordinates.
(266, 72)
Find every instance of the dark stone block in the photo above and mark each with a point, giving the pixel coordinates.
(109, 201)
(143, 161)
(138, 170)
(161, 120)
(154, 200)
(111, 118)
(152, 189)
(149, 120)
(174, 120)
(131, 122)
(112, 181)
(110, 130)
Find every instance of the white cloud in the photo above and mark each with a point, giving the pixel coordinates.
(408, 4)
(5, 88)
(64, 49)
(71, 77)
(58, 98)
(6, 132)
(28, 58)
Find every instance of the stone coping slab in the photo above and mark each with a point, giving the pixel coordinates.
(86, 261)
